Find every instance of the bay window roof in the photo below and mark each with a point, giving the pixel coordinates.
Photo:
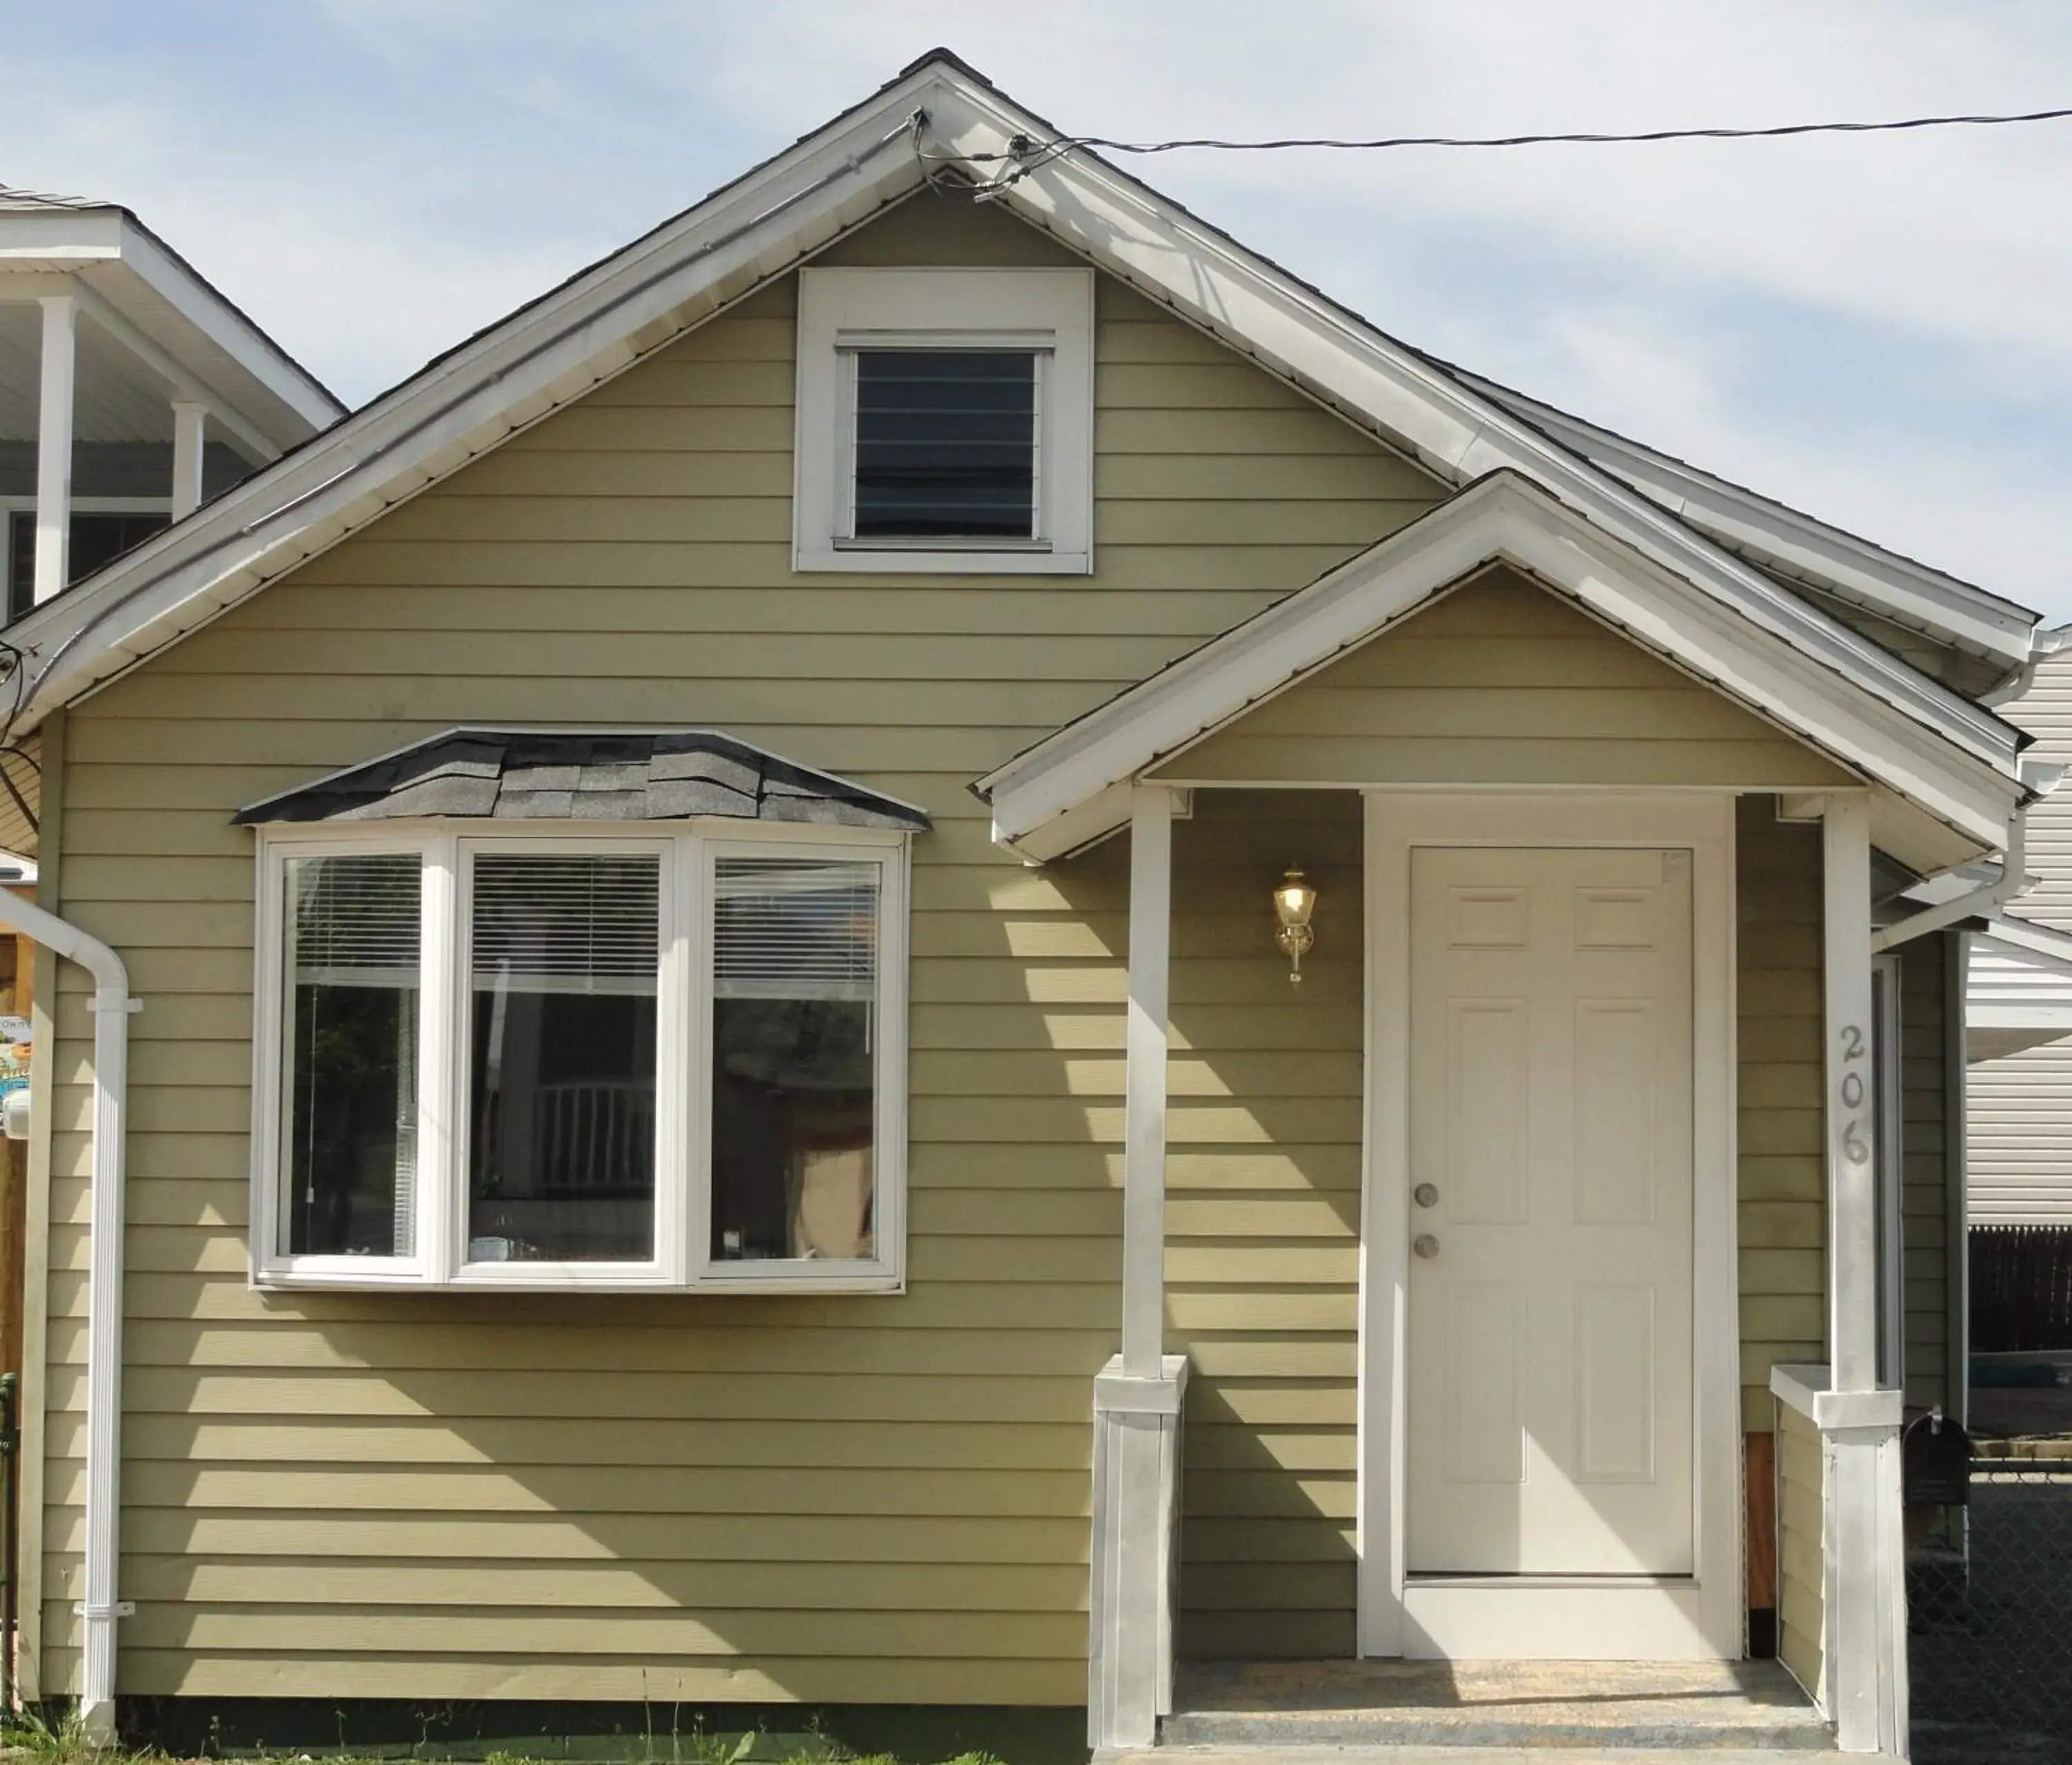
(578, 775)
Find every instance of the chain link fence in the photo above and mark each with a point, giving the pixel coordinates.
(1989, 1592)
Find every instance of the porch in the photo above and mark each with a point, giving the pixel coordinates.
(1515, 784)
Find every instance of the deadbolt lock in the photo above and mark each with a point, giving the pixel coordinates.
(1425, 1195)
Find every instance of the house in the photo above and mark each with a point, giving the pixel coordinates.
(2018, 1184)
(681, 939)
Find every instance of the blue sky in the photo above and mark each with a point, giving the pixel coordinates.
(1878, 331)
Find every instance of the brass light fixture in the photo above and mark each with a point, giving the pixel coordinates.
(1294, 899)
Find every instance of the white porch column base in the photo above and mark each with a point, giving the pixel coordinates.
(1136, 1552)
(1863, 1689)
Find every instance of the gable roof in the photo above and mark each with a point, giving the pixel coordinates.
(1070, 788)
(598, 323)
(1942, 606)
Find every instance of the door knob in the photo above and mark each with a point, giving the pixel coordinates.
(1425, 1195)
(1425, 1246)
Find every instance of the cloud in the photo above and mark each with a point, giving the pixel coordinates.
(1870, 328)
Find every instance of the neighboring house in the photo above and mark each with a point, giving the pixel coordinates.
(700, 882)
(131, 391)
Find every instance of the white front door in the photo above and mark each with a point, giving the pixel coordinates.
(1549, 1362)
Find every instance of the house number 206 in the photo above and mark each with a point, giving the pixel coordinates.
(1855, 1144)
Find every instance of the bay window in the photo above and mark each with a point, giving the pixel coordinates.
(576, 1059)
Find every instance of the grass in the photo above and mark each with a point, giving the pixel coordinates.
(27, 1735)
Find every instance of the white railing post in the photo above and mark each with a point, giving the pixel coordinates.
(54, 428)
(1864, 1649)
(1138, 1396)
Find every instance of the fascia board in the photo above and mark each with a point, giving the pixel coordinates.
(1941, 605)
(1458, 433)
(1499, 518)
(70, 235)
(504, 381)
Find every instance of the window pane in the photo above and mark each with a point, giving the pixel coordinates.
(561, 1060)
(795, 983)
(945, 443)
(352, 1058)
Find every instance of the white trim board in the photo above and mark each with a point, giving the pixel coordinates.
(1694, 1618)
(1061, 794)
(574, 337)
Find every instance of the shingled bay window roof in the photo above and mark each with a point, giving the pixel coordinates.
(561, 775)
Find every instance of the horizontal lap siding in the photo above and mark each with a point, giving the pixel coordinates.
(839, 1498)
(1263, 1251)
(1925, 1201)
(2018, 1109)
(1783, 1200)
(1500, 682)
(1802, 1585)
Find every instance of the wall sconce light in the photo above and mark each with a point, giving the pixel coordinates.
(1293, 902)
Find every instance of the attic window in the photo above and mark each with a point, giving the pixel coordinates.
(945, 444)
(945, 421)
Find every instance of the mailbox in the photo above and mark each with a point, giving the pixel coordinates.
(1935, 1461)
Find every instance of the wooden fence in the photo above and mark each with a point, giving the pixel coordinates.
(2021, 1288)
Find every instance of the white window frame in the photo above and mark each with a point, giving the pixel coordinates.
(1048, 312)
(684, 1006)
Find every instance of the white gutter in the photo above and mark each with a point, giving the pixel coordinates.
(112, 1006)
(2041, 644)
(1988, 898)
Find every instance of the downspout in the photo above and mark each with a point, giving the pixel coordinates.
(112, 1006)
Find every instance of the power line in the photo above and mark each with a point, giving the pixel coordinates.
(1024, 153)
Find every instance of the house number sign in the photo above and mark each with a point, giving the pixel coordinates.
(1854, 1095)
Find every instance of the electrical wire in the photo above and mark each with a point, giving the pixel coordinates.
(1026, 155)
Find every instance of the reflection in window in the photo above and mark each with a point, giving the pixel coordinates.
(351, 1106)
(795, 983)
(566, 951)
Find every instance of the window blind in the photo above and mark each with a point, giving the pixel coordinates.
(354, 919)
(945, 443)
(795, 929)
(585, 923)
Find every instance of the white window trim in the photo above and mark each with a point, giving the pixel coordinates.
(683, 1004)
(1049, 311)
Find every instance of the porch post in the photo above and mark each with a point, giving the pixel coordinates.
(1143, 1081)
(1865, 1648)
(190, 439)
(1138, 1395)
(54, 426)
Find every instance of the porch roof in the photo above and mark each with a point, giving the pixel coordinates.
(1941, 797)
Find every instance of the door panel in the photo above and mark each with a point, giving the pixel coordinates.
(1549, 1332)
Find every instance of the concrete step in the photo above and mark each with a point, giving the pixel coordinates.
(1620, 1709)
(1461, 1756)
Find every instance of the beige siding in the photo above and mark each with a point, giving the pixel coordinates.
(1500, 682)
(1783, 1209)
(865, 1498)
(1925, 1210)
(2018, 1109)
(1263, 1226)
(1802, 1578)
(832, 1499)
